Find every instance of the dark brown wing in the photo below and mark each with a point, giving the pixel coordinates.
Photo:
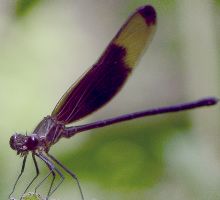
(104, 79)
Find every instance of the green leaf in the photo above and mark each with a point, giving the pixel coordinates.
(32, 196)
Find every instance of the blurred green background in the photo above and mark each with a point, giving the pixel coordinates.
(47, 44)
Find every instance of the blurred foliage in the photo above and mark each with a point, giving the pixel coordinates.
(158, 4)
(125, 157)
(24, 6)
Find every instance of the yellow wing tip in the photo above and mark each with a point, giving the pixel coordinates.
(136, 34)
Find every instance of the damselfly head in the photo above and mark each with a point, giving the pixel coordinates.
(23, 143)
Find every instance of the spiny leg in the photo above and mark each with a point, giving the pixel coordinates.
(52, 182)
(69, 172)
(61, 175)
(39, 184)
(19, 176)
(52, 168)
(37, 173)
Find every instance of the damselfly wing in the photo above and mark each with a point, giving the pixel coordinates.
(104, 79)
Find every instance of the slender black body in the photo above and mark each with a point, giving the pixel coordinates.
(49, 131)
(93, 90)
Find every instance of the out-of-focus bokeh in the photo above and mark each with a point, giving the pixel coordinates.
(46, 45)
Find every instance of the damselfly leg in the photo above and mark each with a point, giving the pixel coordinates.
(69, 172)
(37, 173)
(53, 169)
(19, 176)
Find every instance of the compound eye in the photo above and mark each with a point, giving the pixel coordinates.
(32, 143)
(12, 142)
